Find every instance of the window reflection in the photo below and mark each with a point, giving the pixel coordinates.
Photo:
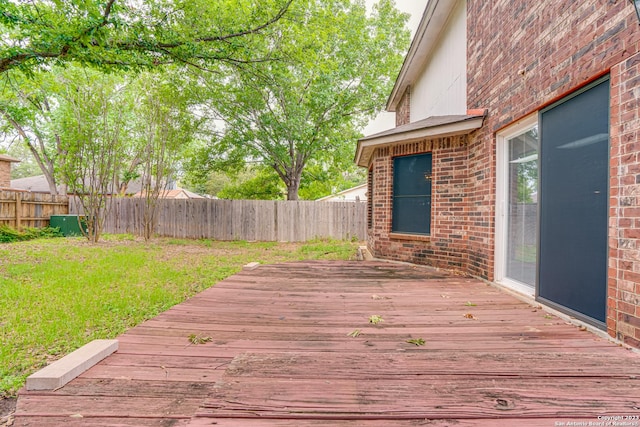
(523, 207)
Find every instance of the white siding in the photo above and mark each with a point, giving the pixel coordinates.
(442, 87)
(355, 194)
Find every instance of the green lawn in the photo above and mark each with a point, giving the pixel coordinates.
(58, 294)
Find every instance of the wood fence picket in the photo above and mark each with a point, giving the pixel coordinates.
(20, 209)
(251, 220)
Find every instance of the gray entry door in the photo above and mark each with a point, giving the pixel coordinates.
(574, 182)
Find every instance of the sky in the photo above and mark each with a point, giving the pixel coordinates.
(415, 8)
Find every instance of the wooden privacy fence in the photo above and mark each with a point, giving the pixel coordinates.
(23, 209)
(252, 220)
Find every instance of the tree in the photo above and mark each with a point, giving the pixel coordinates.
(114, 34)
(319, 181)
(339, 66)
(27, 111)
(127, 34)
(92, 122)
(254, 183)
(32, 111)
(14, 147)
(165, 127)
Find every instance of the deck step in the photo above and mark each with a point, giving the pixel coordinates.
(251, 266)
(70, 366)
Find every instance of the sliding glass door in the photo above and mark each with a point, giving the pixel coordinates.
(522, 208)
(518, 206)
(551, 204)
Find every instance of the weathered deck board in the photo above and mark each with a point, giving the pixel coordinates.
(280, 355)
(501, 422)
(43, 405)
(116, 421)
(429, 397)
(420, 365)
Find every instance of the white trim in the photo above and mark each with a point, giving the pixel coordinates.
(516, 286)
(502, 188)
(458, 128)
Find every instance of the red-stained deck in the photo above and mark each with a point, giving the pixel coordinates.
(280, 355)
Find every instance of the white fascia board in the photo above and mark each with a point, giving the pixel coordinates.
(451, 129)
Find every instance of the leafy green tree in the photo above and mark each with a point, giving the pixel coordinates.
(27, 166)
(320, 181)
(36, 112)
(27, 114)
(32, 111)
(128, 34)
(338, 67)
(165, 127)
(254, 183)
(92, 122)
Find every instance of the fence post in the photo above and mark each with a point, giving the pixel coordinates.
(18, 211)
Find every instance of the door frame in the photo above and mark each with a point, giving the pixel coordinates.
(502, 194)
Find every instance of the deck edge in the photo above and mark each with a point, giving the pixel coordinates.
(70, 366)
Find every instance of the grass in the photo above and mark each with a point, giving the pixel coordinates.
(58, 294)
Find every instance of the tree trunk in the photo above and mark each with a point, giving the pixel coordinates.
(50, 181)
(292, 192)
(293, 185)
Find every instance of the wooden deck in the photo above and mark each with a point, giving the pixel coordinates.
(281, 355)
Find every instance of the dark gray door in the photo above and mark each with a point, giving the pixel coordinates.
(574, 182)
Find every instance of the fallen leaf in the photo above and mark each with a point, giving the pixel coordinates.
(469, 304)
(416, 341)
(375, 319)
(469, 316)
(354, 333)
(378, 297)
(198, 339)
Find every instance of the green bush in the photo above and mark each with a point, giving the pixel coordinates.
(8, 234)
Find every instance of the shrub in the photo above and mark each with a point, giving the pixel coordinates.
(8, 234)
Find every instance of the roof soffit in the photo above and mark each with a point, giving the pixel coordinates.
(9, 159)
(430, 128)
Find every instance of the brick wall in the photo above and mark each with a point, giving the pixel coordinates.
(623, 316)
(446, 247)
(5, 174)
(525, 55)
(403, 110)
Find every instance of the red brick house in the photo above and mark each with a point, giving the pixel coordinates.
(5, 170)
(516, 154)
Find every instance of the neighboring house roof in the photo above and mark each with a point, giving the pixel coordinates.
(434, 20)
(178, 193)
(35, 184)
(38, 184)
(5, 158)
(353, 194)
(431, 127)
